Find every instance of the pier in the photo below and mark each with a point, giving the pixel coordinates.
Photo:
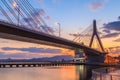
(35, 64)
(44, 64)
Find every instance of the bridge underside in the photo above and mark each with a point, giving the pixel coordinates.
(90, 56)
(14, 32)
(93, 58)
(20, 33)
(31, 40)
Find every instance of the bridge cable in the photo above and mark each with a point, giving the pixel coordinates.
(6, 15)
(31, 7)
(27, 8)
(25, 12)
(11, 11)
(22, 15)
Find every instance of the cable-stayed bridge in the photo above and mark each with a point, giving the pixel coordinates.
(22, 22)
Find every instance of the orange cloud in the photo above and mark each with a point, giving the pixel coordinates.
(68, 52)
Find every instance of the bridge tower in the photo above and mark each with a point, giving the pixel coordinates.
(95, 33)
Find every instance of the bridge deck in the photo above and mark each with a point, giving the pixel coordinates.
(11, 31)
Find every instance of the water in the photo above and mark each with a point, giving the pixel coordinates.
(80, 72)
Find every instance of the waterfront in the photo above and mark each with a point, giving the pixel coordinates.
(79, 72)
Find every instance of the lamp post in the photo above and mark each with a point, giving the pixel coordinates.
(18, 10)
(59, 29)
(18, 15)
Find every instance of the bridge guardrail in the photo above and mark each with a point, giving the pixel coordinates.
(104, 74)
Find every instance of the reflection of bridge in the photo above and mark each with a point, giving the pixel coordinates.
(22, 33)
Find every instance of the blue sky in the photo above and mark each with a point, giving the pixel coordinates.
(74, 16)
(79, 11)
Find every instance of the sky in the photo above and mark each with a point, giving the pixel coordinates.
(73, 16)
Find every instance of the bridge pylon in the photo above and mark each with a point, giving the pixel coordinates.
(95, 33)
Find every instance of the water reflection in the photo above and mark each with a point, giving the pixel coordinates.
(80, 72)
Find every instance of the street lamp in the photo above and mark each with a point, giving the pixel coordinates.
(59, 29)
(18, 9)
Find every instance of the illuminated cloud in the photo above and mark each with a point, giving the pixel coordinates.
(51, 30)
(14, 56)
(111, 29)
(111, 35)
(100, 33)
(106, 31)
(34, 50)
(2, 41)
(38, 12)
(114, 51)
(97, 4)
(113, 26)
(28, 20)
(117, 40)
(35, 13)
(75, 35)
(38, 22)
(80, 34)
(48, 18)
(4, 55)
(114, 47)
(31, 52)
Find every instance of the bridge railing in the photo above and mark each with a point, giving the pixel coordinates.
(105, 74)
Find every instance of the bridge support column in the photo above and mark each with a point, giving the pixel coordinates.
(95, 59)
(95, 33)
(79, 55)
(92, 57)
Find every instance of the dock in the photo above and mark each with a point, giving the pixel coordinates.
(43, 64)
(35, 64)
